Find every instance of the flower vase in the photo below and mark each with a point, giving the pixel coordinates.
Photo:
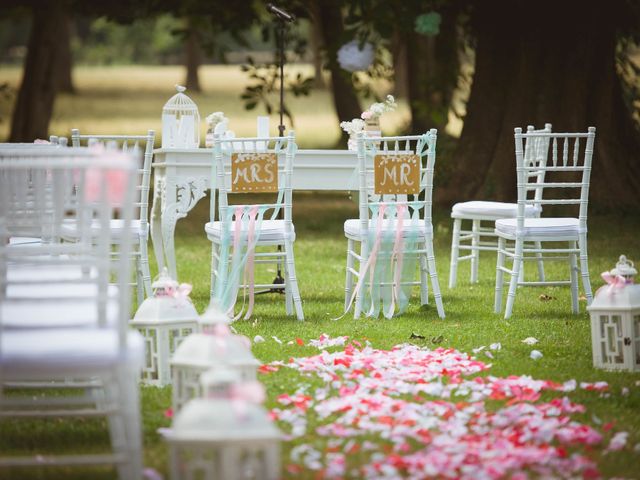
(208, 139)
(372, 127)
(352, 143)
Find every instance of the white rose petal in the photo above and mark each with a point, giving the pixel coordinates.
(535, 354)
(530, 341)
(496, 346)
(258, 339)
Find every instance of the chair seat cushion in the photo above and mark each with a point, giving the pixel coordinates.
(38, 352)
(541, 227)
(352, 227)
(270, 230)
(70, 231)
(491, 210)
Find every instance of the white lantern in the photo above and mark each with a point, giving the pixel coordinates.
(615, 320)
(214, 346)
(180, 122)
(165, 319)
(226, 436)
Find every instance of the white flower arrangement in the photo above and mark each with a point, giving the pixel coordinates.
(376, 110)
(215, 118)
(354, 126)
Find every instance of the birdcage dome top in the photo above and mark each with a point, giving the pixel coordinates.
(180, 103)
(207, 419)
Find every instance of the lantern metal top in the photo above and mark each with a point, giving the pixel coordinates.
(164, 280)
(204, 350)
(213, 316)
(180, 103)
(223, 420)
(620, 293)
(625, 268)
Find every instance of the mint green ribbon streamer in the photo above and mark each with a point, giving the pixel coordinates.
(226, 291)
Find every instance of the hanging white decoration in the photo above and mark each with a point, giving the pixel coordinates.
(355, 57)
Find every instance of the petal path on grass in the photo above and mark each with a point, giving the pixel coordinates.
(411, 412)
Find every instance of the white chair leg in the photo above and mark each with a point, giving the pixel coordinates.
(424, 280)
(288, 295)
(455, 252)
(128, 386)
(584, 267)
(290, 271)
(348, 282)
(475, 253)
(497, 303)
(364, 257)
(433, 273)
(540, 262)
(573, 265)
(513, 285)
(144, 267)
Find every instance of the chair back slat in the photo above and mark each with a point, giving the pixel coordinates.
(283, 147)
(571, 187)
(421, 145)
(141, 147)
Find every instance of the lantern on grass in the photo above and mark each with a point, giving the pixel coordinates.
(180, 122)
(615, 320)
(213, 346)
(165, 319)
(226, 435)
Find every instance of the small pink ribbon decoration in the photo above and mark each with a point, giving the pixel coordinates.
(181, 293)
(244, 394)
(614, 282)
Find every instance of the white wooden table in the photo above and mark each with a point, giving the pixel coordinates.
(183, 176)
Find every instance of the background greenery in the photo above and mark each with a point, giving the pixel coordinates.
(131, 98)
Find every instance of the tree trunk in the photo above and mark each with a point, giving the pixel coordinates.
(537, 68)
(193, 58)
(34, 105)
(345, 99)
(65, 80)
(433, 71)
(315, 37)
(400, 65)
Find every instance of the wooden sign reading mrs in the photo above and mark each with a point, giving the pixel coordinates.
(254, 172)
(396, 173)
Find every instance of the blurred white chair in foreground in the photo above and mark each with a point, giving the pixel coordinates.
(95, 350)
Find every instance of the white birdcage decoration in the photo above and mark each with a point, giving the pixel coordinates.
(213, 346)
(225, 435)
(180, 122)
(615, 320)
(165, 319)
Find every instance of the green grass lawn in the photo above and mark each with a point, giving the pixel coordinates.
(130, 99)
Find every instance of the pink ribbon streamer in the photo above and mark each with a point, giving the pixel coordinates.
(614, 282)
(398, 254)
(237, 228)
(251, 259)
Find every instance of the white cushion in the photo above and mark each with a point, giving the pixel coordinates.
(54, 311)
(69, 229)
(65, 350)
(270, 230)
(491, 210)
(352, 227)
(541, 227)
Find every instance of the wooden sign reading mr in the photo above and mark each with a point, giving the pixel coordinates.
(254, 172)
(396, 173)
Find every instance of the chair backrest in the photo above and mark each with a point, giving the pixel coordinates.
(226, 150)
(565, 175)
(138, 145)
(423, 147)
(536, 151)
(35, 191)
